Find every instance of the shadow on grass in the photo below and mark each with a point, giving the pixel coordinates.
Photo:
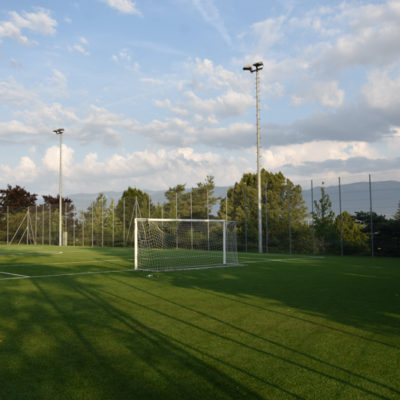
(71, 337)
(63, 339)
(238, 329)
(362, 293)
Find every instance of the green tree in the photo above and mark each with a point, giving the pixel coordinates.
(94, 220)
(354, 239)
(133, 203)
(282, 196)
(16, 198)
(191, 203)
(323, 218)
(176, 199)
(397, 215)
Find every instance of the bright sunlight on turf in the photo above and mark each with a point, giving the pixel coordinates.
(79, 323)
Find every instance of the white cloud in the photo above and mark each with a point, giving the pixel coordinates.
(37, 22)
(123, 58)
(14, 131)
(316, 151)
(206, 75)
(26, 171)
(211, 15)
(382, 91)
(124, 6)
(12, 92)
(268, 33)
(152, 170)
(51, 160)
(79, 48)
(372, 40)
(59, 80)
(326, 93)
(152, 81)
(228, 104)
(100, 124)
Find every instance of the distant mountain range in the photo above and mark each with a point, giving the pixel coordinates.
(355, 197)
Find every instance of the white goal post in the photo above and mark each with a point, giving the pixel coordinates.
(172, 244)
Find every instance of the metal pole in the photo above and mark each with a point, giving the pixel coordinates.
(66, 226)
(176, 205)
(371, 217)
(60, 227)
(123, 221)
(102, 222)
(35, 224)
(312, 216)
(176, 217)
(83, 230)
(341, 219)
(43, 225)
(245, 218)
(49, 224)
(8, 222)
(226, 206)
(113, 221)
(266, 219)
(92, 221)
(27, 225)
(258, 168)
(289, 219)
(191, 217)
(208, 222)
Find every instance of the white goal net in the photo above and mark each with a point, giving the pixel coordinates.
(172, 244)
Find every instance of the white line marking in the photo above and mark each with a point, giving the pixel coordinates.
(9, 273)
(70, 274)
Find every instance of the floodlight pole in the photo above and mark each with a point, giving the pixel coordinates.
(60, 227)
(256, 67)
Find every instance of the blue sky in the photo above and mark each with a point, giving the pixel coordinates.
(152, 93)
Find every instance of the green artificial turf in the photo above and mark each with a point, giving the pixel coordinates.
(282, 327)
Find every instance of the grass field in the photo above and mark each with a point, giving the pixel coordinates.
(78, 323)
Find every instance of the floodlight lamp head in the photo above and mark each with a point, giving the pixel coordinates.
(247, 68)
(58, 131)
(258, 65)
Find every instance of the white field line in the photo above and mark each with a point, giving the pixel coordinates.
(63, 263)
(69, 274)
(9, 273)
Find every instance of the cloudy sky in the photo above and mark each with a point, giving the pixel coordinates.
(152, 93)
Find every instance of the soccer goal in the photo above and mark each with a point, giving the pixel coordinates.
(172, 244)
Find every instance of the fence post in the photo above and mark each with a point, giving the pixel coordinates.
(191, 217)
(266, 219)
(123, 221)
(8, 222)
(113, 221)
(102, 223)
(35, 224)
(83, 230)
(49, 223)
(43, 224)
(289, 218)
(245, 218)
(312, 216)
(92, 221)
(341, 219)
(371, 217)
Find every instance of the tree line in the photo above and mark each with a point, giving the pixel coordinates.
(287, 224)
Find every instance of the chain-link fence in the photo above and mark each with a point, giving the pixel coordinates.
(343, 219)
